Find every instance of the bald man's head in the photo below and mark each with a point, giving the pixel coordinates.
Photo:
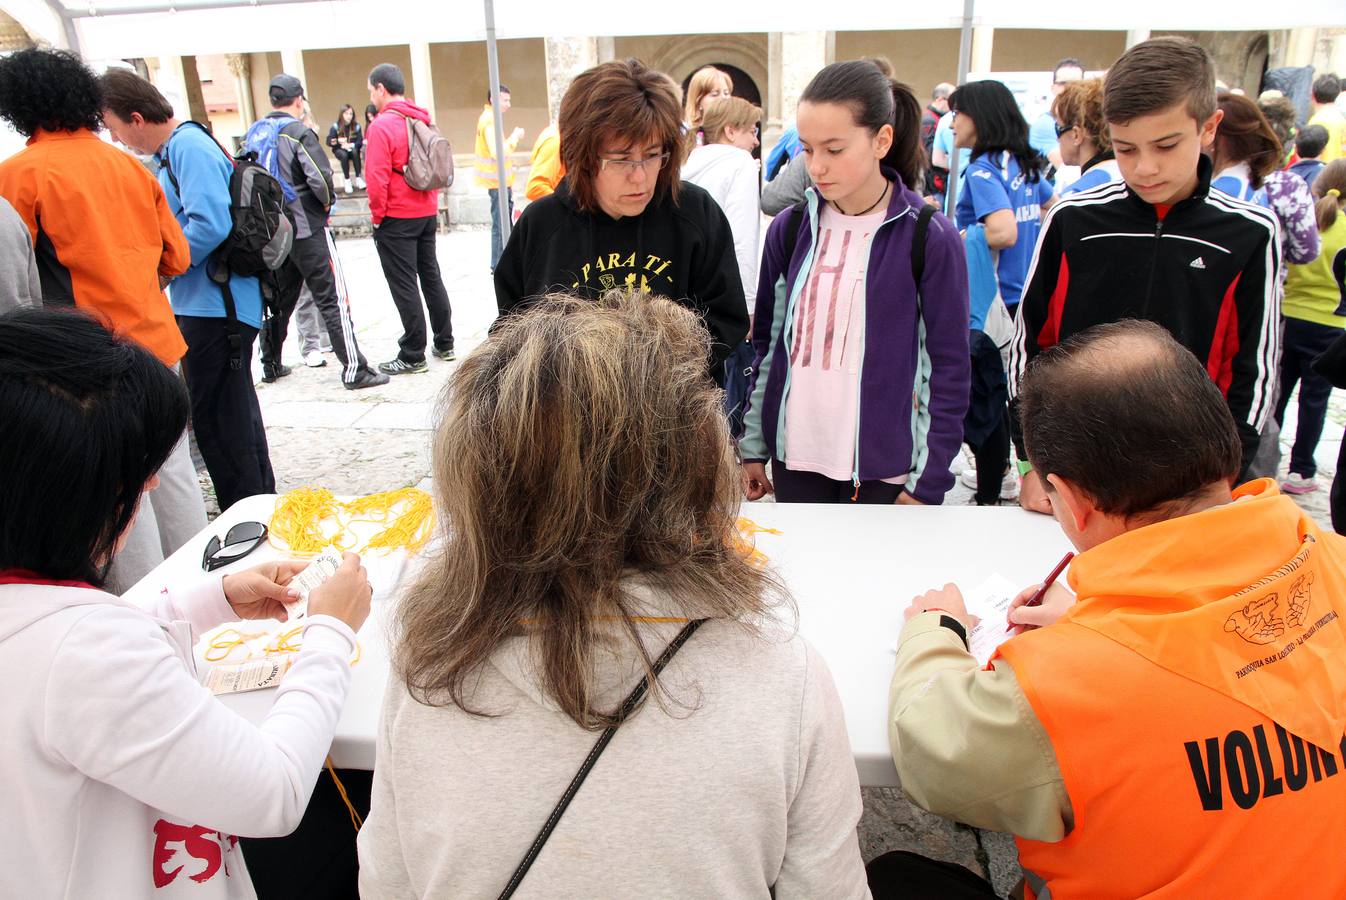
(1129, 416)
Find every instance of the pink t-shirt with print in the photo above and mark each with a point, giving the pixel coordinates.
(826, 348)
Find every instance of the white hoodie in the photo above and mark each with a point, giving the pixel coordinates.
(745, 784)
(122, 775)
(730, 175)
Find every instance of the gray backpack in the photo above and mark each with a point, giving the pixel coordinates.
(429, 157)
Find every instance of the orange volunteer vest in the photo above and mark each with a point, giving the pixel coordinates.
(1195, 698)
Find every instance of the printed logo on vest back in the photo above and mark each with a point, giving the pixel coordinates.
(1198, 263)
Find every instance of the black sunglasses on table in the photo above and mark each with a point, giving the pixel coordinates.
(239, 541)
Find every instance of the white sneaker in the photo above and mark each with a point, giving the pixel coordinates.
(350, 188)
(313, 359)
(1009, 488)
(359, 183)
(1299, 484)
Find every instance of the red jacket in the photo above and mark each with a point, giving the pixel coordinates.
(385, 155)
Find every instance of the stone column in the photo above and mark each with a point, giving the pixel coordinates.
(422, 78)
(241, 66)
(607, 49)
(566, 58)
(176, 77)
(773, 126)
(983, 40)
(802, 54)
(1299, 46)
(292, 63)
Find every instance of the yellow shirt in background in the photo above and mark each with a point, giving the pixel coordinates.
(488, 173)
(1334, 120)
(545, 169)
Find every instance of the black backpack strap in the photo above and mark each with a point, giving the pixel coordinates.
(627, 707)
(792, 230)
(218, 272)
(169, 169)
(918, 250)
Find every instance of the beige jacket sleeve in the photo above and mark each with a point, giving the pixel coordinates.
(965, 741)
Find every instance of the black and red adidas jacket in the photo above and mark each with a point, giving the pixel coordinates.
(1208, 272)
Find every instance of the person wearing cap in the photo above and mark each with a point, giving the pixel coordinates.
(303, 166)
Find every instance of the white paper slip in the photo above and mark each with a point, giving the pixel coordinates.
(323, 567)
(990, 602)
(253, 675)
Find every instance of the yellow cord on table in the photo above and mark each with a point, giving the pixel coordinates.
(227, 640)
(308, 520)
(743, 541)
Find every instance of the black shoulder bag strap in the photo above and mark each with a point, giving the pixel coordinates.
(630, 704)
(216, 269)
(918, 252)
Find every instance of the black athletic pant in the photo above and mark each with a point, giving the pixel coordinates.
(1302, 343)
(225, 414)
(407, 252)
(992, 457)
(901, 874)
(310, 263)
(347, 157)
(810, 487)
(316, 861)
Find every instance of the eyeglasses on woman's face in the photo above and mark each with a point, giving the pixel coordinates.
(1062, 129)
(627, 167)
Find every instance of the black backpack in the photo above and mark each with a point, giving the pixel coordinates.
(261, 237)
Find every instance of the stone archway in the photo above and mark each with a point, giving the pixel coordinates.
(1255, 67)
(680, 56)
(744, 86)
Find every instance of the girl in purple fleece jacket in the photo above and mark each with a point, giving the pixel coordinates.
(860, 380)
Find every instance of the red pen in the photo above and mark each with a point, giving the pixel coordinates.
(1036, 599)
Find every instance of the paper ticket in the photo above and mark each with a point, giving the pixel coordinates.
(323, 567)
(253, 675)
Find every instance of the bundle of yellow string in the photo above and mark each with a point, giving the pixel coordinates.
(307, 520)
(745, 544)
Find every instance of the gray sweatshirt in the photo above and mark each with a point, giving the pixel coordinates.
(745, 782)
(787, 188)
(19, 284)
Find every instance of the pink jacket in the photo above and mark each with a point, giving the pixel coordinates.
(385, 155)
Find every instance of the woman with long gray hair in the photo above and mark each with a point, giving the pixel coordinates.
(588, 493)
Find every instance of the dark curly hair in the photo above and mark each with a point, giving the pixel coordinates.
(52, 90)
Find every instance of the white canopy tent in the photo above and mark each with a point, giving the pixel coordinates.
(111, 29)
(126, 28)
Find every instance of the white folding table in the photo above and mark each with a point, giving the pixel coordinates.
(851, 569)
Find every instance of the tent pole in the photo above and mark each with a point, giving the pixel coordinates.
(964, 61)
(493, 69)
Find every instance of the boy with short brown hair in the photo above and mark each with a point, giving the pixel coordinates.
(1160, 245)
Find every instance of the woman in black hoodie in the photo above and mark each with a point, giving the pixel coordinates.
(621, 218)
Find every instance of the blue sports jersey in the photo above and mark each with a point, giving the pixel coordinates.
(993, 182)
(1099, 174)
(1235, 181)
